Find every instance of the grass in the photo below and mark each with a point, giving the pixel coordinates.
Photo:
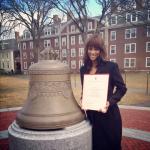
(14, 89)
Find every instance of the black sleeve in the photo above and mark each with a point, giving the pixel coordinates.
(120, 87)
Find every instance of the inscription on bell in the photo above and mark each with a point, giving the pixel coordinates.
(50, 103)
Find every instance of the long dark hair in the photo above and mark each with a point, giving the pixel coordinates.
(98, 43)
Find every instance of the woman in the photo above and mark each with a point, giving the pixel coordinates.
(106, 124)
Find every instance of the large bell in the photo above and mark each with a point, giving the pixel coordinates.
(50, 103)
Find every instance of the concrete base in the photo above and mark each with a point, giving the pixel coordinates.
(76, 137)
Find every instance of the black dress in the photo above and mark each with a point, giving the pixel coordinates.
(107, 127)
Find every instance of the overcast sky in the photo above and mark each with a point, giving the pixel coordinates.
(93, 11)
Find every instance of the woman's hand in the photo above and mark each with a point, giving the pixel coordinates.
(106, 107)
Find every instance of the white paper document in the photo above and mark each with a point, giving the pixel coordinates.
(95, 89)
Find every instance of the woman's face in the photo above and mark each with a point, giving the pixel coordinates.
(93, 53)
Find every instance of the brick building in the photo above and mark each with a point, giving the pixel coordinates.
(127, 44)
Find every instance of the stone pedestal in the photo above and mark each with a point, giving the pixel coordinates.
(76, 137)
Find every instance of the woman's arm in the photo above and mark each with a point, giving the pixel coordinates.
(119, 85)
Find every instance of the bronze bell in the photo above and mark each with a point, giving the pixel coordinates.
(50, 103)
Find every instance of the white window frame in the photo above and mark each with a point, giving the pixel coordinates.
(73, 64)
(131, 31)
(90, 25)
(56, 42)
(47, 32)
(111, 35)
(148, 31)
(131, 17)
(111, 46)
(147, 43)
(64, 41)
(31, 55)
(47, 43)
(73, 52)
(102, 35)
(148, 15)
(113, 59)
(24, 45)
(72, 40)
(64, 53)
(24, 55)
(80, 63)
(130, 46)
(73, 28)
(147, 61)
(80, 39)
(114, 22)
(81, 52)
(25, 65)
(31, 45)
(129, 59)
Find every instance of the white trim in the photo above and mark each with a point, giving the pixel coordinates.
(130, 45)
(111, 33)
(129, 59)
(112, 46)
(147, 50)
(130, 33)
(146, 61)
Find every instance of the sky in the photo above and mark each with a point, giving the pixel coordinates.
(93, 8)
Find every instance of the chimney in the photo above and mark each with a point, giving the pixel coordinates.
(17, 36)
(56, 19)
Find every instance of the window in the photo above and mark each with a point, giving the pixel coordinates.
(47, 43)
(130, 33)
(55, 30)
(64, 53)
(8, 64)
(72, 28)
(24, 45)
(80, 63)
(73, 52)
(148, 15)
(129, 62)
(147, 61)
(65, 61)
(47, 31)
(24, 55)
(72, 40)
(56, 42)
(81, 52)
(113, 35)
(147, 46)
(112, 49)
(25, 65)
(148, 31)
(32, 62)
(131, 17)
(130, 48)
(31, 45)
(63, 41)
(113, 20)
(89, 35)
(102, 34)
(89, 25)
(80, 39)
(113, 60)
(73, 64)
(31, 55)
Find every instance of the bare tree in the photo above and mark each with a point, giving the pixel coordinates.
(34, 15)
(6, 21)
(77, 10)
(138, 8)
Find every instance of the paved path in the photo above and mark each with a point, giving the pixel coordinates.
(136, 127)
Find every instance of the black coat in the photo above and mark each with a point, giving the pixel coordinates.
(107, 127)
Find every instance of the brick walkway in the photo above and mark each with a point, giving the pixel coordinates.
(136, 119)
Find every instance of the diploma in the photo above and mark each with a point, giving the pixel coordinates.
(95, 89)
